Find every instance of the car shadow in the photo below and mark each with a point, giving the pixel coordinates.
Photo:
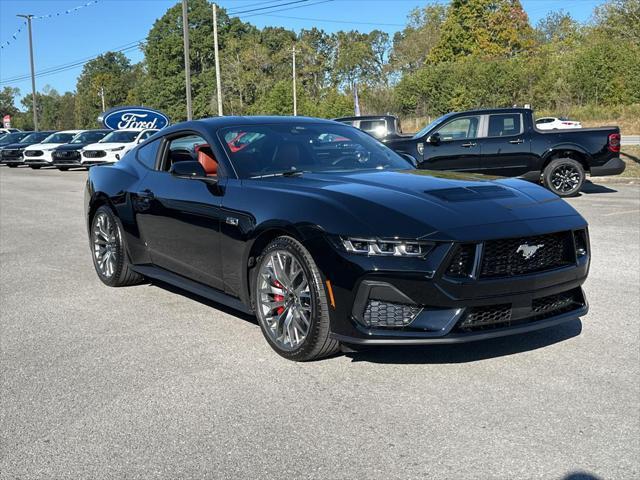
(205, 301)
(468, 352)
(589, 187)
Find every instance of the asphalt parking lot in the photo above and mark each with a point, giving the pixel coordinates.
(147, 382)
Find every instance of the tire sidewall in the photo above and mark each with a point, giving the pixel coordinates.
(114, 279)
(319, 306)
(553, 165)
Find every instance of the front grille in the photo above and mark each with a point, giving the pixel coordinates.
(483, 316)
(520, 256)
(461, 265)
(11, 154)
(379, 313)
(498, 316)
(66, 155)
(94, 153)
(33, 153)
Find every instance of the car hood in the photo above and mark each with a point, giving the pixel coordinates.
(42, 146)
(72, 146)
(14, 146)
(426, 204)
(106, 146)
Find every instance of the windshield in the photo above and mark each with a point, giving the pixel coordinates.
(35, 137)
(87, 137)
(119, 136)
(293, 147)
(426, 129)
(13, 137)
(59, 138)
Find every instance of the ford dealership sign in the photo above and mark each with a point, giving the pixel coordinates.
(119, 118)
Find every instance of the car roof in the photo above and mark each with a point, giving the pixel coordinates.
(365, 117)
(232, 121)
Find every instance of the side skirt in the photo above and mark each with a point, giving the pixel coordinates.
(191, 286)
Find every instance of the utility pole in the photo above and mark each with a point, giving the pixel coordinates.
(187, 62)
(33, 74)
(104, 108)
(295, 100)
(215, 48)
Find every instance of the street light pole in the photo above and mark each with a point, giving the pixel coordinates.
(33, 74)
(295, 99)
(215, 48)
(187, 63)
(104, 108)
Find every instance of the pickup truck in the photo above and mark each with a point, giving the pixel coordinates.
(382, 127)
(505, 142)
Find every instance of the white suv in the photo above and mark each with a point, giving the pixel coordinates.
(113, 146)
(39, 154)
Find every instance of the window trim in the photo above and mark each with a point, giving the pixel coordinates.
(486, 126)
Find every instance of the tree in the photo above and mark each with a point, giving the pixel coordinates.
(7, 101)
(112, 72)
(619, 19)
(490, 28)
(55, 111)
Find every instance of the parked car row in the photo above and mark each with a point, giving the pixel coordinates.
(69, 148)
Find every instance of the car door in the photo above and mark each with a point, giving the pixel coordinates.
(505, 149)
(454, 145)
(179, 218)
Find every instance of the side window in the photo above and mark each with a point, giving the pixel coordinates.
(147, 154)
(460, 129)
(504, 125)
(190, 148)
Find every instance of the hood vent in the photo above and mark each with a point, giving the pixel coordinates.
(468, 194)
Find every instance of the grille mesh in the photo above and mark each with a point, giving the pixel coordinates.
(65, 155)
(387, 314)
(483, 316)
(461, 264)
(94, 153)
(508, 257)
(33, 153)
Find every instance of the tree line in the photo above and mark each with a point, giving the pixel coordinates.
(467, 54)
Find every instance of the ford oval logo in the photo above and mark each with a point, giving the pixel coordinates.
(133, 117)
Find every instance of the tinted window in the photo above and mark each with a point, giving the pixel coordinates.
(183, 149)
(88, 137)
(147, 134)
(147, 154)
(272, 149)
(59, 138)
(120, 136)
(14, 137)
(35, 137)
(460, 129)
(504, 125)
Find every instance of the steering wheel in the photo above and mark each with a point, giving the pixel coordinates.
(356, 157)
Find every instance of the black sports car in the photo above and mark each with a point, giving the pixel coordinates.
(68, 155)
(329, 237)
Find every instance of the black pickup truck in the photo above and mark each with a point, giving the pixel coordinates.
(504, 142)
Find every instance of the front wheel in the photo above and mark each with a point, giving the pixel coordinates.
(291, 303)
(35, 167)
(108, 250)
(564, 177)
(63, 169)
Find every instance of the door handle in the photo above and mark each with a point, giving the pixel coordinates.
(515, 142)
(468, 145)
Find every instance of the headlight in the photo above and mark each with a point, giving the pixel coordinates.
(376, 246)
(117, 149)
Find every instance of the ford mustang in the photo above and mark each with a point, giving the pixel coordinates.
(330, 238)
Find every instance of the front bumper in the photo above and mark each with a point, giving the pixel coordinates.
(109, 157)
(442, 307)
(615, 166)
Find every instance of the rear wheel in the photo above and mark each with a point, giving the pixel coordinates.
(35, 167)
(108, 250)
(12, 165)
(564, 176)
(291, 303)
(63, 169)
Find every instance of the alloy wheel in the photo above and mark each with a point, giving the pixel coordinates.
(105, 244)
(565, 178)
(284, 300)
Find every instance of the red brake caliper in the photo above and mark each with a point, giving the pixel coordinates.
(278, 298)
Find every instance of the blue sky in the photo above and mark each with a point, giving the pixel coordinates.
(112, 24)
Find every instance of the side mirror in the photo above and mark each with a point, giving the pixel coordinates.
(433, 139)
(188, 170)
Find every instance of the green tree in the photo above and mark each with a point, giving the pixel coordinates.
(112, 72)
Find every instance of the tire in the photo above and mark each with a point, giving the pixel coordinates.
(63, 169)
(308, 308)
(35, 167)
(106, 236)
(11, 165)
(564, 177)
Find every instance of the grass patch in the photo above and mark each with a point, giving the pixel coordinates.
(631, 156)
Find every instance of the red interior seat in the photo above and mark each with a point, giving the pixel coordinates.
(207, 160)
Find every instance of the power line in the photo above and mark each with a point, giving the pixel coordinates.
(271, 6)
(337, 21)
(253, 5)
(288, 8)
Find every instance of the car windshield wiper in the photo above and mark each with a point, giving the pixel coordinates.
(287, 173)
